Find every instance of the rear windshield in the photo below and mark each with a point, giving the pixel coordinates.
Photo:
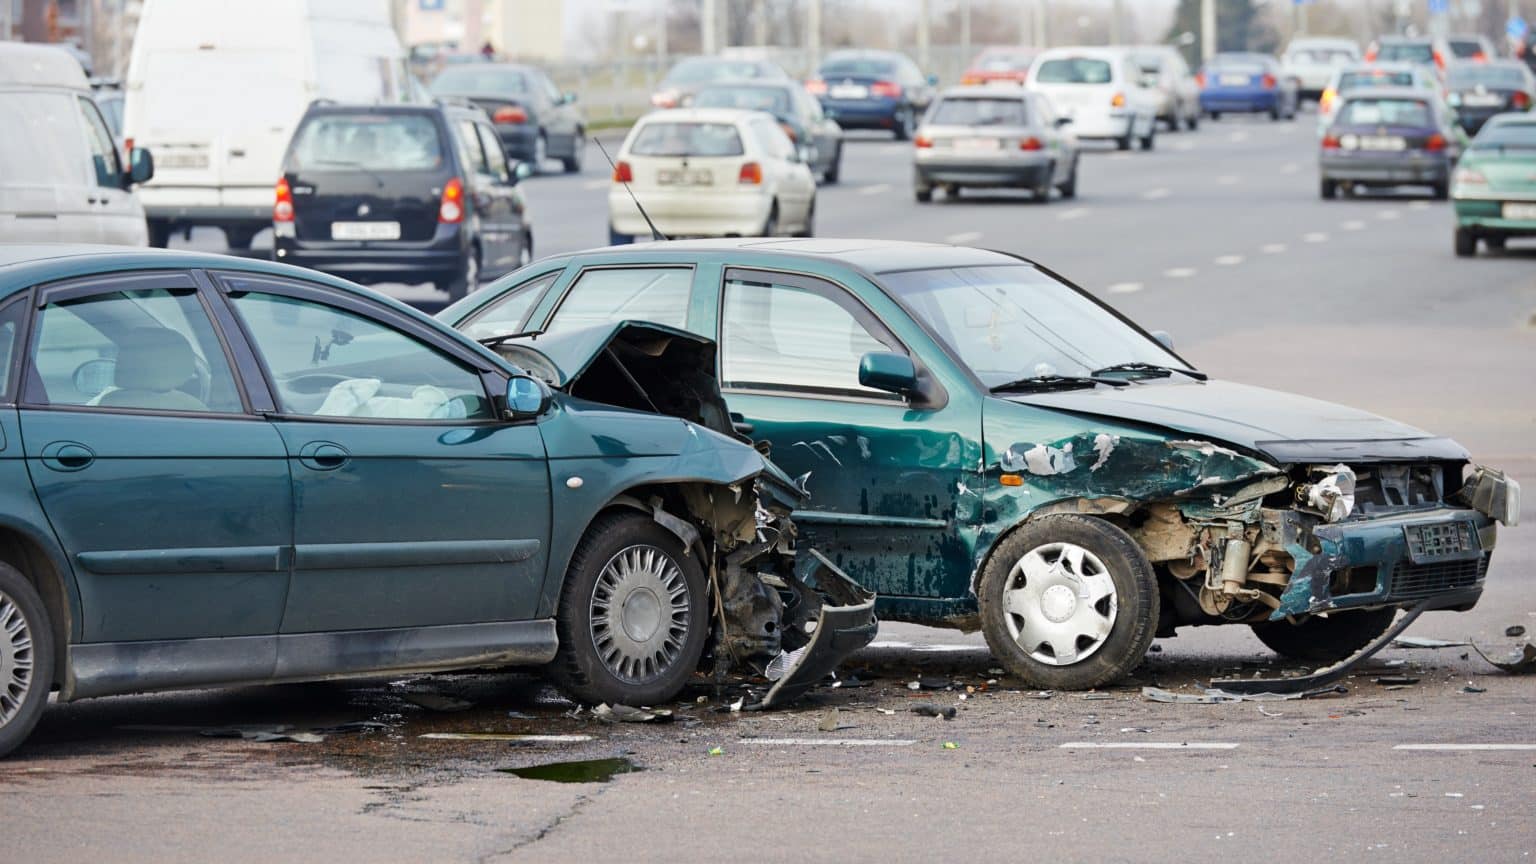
(980, 112)
(1375, 78)
(1472, 75)
(858, 66)
(774, 100)
(709, 69)
(1004, 61)
(687, 139)
(1406, 52)
(1075, 70)
(367, 142)
(1385, 112)
(1465, 48)
(479, 80)
(1498, 136)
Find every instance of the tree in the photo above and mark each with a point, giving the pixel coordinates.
(1240, 26)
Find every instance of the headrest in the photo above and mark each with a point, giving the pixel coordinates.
(154, 358)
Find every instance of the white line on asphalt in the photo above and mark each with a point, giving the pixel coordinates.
(1124, 288)
(1229, 260)
(1184, 145)
(1315, 237)
(1418, 205)
(1155, 194)
(495, 736)
(1289, 168)
(593, 185)
(1465, 747)
(1388, 215)
(1227, 179)
(963, 238)
(1180, 272)
(830, 742)
(1074, 213)
(1148, 745)
(1237, 137)
(875, 189)
(1353, 225)
(1272, 248)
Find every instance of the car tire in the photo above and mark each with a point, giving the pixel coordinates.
(1150, 138)
(26, 658)
(835, 167)
(525, 253)
(1192, 122)
(1215, 115)
(468, 279)
(904, 125)
(159, 232)
(1068, 188)
(922, 194)
(1494, 242)
(1041, 192)
(1124, 142)
(1274, 113)
(809, 230)
(1108, 563)
(1329, 189)
(629, 561)
(572, 163)
(1441, 191)
(1466, 243)
(540, 152)
(771, 225)
(1324, 640)
(239, 239)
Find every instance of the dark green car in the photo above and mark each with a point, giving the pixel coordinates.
(221, 471)
(1494, 187)
(988, 446)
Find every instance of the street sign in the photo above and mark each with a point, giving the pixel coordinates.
(1516, 27)
(1439, 7)
(430, 5)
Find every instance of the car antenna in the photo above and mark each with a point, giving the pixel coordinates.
(655, 235)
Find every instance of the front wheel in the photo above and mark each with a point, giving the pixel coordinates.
(1148, 139)
(1124, 142)
(572, 163)
(633, 617)
(1466, 243)
(1068, 602)
(1069, 186)
(26, 658)
(834, 167)
(1324, 640)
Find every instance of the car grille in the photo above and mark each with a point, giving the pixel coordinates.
(1417, 581)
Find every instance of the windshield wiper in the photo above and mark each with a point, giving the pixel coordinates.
(1151, 370)
(493, 341)
(1057, 382)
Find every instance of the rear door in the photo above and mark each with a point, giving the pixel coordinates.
(502, 221)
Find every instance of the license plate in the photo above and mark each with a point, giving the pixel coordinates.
(365, 230)
(1235, 80)
(1520, 211)
(977, 145)
(666, 177)
(182, 161)
(1441, 541)
(1482, 99)
(850, 91)
(1382, 142)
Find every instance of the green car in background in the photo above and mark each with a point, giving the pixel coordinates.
(1494, 187)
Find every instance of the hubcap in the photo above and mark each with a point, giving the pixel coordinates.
(639, 613)
(15, 659)
(1060, 603)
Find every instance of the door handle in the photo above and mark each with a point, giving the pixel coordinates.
(68, 456)
(323, 455)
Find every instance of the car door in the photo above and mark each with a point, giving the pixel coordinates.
(414, 505)
(118, 216)
(796, 186)
(491, 192)
(168, 493)
(562, 122)
(504, 184)
(823, 134)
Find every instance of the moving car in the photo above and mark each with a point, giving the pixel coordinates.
(689, 75)
(1470, 48)
(817, 136)
(1419, 50)
(873, 90)
(535, 120)
(989, 446)
(1371, 75)
(1494, 187)
(1178, 96)
(1312, 61)
(401, 193)
(1478, 91)
(62, 176)
(1000, 64)
(292, 478)
(1101, 90)
(709, 172)
(987, 137)
(1240, 82)
(1387, 136)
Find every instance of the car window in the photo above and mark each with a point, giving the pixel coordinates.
(330, 362)
(980, 112)
(774, 100)
(551, 92)
(491, 142)
(505, 316)
(1509, 135)
(1375, 78)
(474, 157)
(657, 294)
(369, 142)
(41, 141)
(479, 80)
(148, 348)
(1386, 112)
(687, 139)
(11, 318)
(1407, 52)
(860, 67)
(771, 139)
(104, 164)
(1469, 75)
(790, 337)
(1075, 70)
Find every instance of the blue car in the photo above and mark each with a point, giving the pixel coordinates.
(873, 90)
(1244, 83)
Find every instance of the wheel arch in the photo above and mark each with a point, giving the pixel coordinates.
(42, 565)
(1114, 510)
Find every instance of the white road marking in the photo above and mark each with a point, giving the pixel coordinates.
(1479, 747)
(1185, 145)
(1155, 194)
(829, 742)
(1229, 260)
(1125, 288)
(963, 238)
(1148, 745)
(1315, 237)
(1388, 215)
(1418, 205)
(1353, 225)
(1272, 248)
(594, 185)
(1180, 272)
(494, 736)
(875, 189)
(1237, 137)
(1074, 213)
(1228, 179)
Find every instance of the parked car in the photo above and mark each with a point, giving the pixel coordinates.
(1244, 83)
(216, 93)
(1387, 136)
(1419, 50)
(62, 176)
(990, 446)
(401, 193)
(1494, 187)
(1000, 64)
(1178, 96)
(1469, 48)
(987, 137)
(873, 90)
(688, 75)
(1478, 91)
(817, 136)
(1361, 75)
(1313, 60)
(535, 121)
(292, 478)
(709, 172)
(1101, 90)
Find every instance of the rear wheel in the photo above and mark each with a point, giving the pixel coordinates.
(1069, 186)
(525, 254)
(26, 658)
(1324, 640)
(1441, 191)
(1329, 189)
(1192, 122)
(1042, 188)
(903, 125)
(1466, 243)
(809, 229)
(1148, 139)
(617, 239)
(159, 233)
(771, 226)
(923, 194)
(239, 238)
(572, 163)
(467, 280)
(1275, 112)
(540, 153)
(1124, 142)
(835, 167)
(1215, 115)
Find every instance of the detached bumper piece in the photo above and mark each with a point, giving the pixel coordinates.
(837, 614)
(1328, 674)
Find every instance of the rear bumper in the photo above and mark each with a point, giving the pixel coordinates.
(518, 140)
(1260, 100)
(441, 260)
(1387, 169)
(689, 214)
(1019, 171)
(1487, 216)
(863, 114)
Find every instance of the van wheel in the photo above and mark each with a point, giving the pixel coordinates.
(1324, 640)
(1068, 602)
(26, 658)
(1466, 243)
(159, 233)
(633, 616)
(572, 163)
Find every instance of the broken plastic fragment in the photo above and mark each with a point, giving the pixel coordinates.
(436, 702)
(1519, 662)
(1333, 496)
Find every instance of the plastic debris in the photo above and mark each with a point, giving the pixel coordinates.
(263, 734)
(1472, 688)
(1040, 694)
(1093, 697)
(1221, 697)
(629, 714)
(506, 736)
(353, 726)
(831, 722)
(1519, 662)
(1401, 680)
(717, 751)
(437, 702)
(929, 709)
(1422, 642)
(950, 745)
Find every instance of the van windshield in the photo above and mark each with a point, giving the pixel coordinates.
(1074, 70)
(370, 142)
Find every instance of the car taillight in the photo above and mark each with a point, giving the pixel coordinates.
(886, 89)
(1435, 142)
(1118, 101)
(665, 98)
(923, 142)
(1031, 143)
(622, 174)
(1268, 81)
(790, 131)
(1521, 100)
(751, 172)
(282, 207)
(1200, 80)
(1330, 142)
(510, 114)
(1325, 101)
(972, 78)
(816, 87)
(451, 210)
(1439, 60)
(1469, 177)
(1480, 57)
(1370, 53)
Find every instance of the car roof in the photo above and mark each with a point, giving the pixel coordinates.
(698, 115)
(872, 256)
(28, 65)
(990, 91)
(754, 83)
(1096, 52)
(1405, 40)
(1416, 94)
(872, 53)
(1383, 65)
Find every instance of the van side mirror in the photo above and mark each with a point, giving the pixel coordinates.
(141, 167)
(527, 397)
(1163, 338)
(933, 80)
(521, 171)
(569, 98)
(1063, 121)
(884, 370)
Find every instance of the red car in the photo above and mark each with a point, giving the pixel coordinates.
(1000, 63)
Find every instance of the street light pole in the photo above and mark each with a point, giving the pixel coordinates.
(965, 31)
(1207, 29)
(1116, 12)
(813, 32)
(1041, 37)
(922, 34)
(708, 28)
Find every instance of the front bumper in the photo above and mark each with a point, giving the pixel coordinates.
(1487, 214)
(1024, 170)
(1387, 169)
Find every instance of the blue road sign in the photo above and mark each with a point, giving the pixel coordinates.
(1516, 27)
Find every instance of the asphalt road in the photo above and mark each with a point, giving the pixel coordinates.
(1218, 237)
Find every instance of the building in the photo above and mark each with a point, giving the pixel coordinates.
(531, 29)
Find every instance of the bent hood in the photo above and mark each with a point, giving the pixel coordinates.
(1282, 426)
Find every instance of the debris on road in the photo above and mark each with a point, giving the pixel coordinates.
(1472, 688)
(1424, 642)
(263, 734)
(717, 751)
(929, 709)
(1401, 680)
(437, 702)
(950, 745)
(831, 722)
(1216, 696)
(629, 714)
(1514, 631)
(1519, 662)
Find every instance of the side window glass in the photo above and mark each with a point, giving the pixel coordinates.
(103, 151)
(783, 337)
(551, 91)
(328, 362)
(498, 156)
(656, 294)
(152, 349)
(505, 316)
(474, 157)
(10, 328)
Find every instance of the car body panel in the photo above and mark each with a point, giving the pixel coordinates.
(1508, 177)
(1092, 105)
(1424, 152)
(550, 113)
(1242, 82)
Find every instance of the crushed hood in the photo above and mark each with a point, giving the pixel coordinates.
(1282, 426)
(560, 358)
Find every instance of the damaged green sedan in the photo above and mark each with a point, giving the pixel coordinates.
(989, 447)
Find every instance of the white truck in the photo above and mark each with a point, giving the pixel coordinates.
(215, 88)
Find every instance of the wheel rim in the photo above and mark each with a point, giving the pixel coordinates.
(1060, 603)
(15, 659)
(540, 150)
(640, 614)
(472, 272)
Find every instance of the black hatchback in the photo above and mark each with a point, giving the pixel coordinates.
(401, 193)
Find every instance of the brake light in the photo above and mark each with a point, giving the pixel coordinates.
(1435, 143)
(1200, 80)
(1330, 142)
(886, 89)
(1480, 57)
(790, 131)
(1031, 143)
(1521, 100)
(282, 208)
(972, 78)
(1269, 82)
(1118, 101)
(816, 87)
(665, 98)
(1370, 53)
(510, 114)
(751, 172)
(1439, 60)
(622, 173)
(451, 210)
(923, 142)
(1325, 102)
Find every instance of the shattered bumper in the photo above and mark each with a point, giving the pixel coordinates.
(844, 622)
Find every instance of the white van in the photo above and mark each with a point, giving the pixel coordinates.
(1102, 90)
(61, 178)
(215, 88)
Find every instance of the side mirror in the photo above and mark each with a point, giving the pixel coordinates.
(1163, 338)
(569, 98)
(893, 373)
(141, 167)
(520, 172)
(933, 80)
(527, 397)
(1063, 121)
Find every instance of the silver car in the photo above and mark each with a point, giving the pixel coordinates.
(991, 137)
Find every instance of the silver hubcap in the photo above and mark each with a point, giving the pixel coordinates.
(15, 659)
(640, 614)
(1060, 603)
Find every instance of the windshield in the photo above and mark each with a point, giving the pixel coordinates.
(862, 67)
(999, 61)
(1467, 77)
(1464, 48)
(371, 142)
(980, 112)
(774, 100)
(1407, 52)
(478, 79)
(1385, 112)
(1011, 321)
(704, 69)
(687, 139)
(1074, 70)
(1376, 78)
(1506, 135)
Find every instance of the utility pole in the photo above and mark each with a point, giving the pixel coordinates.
(1042, 38)
(1116, 13)
(709, 27)
(922, 34)
(1207, 29)
(965, 32)
(759, 23)
(813, 32)
(661, 34)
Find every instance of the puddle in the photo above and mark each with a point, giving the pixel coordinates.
(586, 771)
